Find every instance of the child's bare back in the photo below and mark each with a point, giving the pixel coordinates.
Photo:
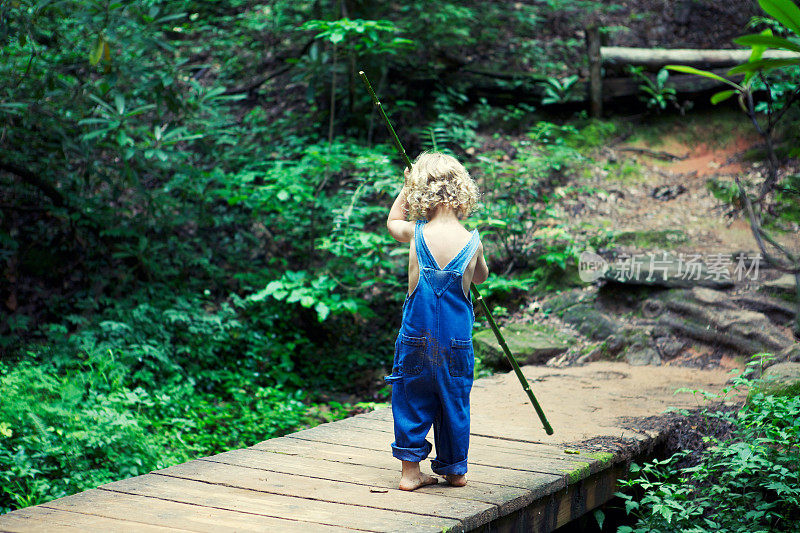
(446, 237)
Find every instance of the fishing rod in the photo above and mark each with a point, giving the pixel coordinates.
(522, 379)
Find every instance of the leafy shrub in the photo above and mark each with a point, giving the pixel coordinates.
(145, 388)
(746, 483)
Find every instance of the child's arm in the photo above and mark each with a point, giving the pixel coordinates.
(399, 228)
(481, 268)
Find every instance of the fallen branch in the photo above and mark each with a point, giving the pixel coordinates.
(653, 153)
(658, 57)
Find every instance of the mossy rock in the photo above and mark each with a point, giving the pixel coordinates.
(782, 379)
(590, 322)
(564, 300)
(784, 287)
(638, 347)
(529, 343)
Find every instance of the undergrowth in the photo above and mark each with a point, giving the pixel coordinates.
(747, 482)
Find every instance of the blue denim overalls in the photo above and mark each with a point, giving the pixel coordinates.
(434, 361)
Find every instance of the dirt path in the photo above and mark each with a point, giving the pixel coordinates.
(698, 219)
(601, 405)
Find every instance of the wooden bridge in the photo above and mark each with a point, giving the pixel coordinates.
(341, 476)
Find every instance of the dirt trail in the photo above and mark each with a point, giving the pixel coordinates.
(601, 405)
(651, 204)
(628, 205)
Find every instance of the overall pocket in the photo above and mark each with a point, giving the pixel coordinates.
(461, 359)
(411, 354)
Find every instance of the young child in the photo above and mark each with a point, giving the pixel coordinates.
(434, 361)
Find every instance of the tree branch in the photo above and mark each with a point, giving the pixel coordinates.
(32, 179)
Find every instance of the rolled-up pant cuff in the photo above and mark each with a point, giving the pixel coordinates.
(412, 454)
(455, 469)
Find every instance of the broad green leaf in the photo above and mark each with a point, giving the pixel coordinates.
(119, 101)
(295, 296)
(698, 72)
(600, 517)
(755, 54)
(92, 134)
(322, 311)
(722, 96)
(273, 286)
(785, 11)
(763, 64)
(768, 41)
(97, 50)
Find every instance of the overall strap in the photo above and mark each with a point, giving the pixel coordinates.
(424, 256)
(461, 261)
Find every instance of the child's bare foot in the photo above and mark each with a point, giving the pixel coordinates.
(456, 480)
(411, 483)
(412, 478)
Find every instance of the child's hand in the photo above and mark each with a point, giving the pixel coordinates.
(406, 174)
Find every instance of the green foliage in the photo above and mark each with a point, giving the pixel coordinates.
(787, 198)
(509, 118)
(725, 191)
(143, 388)
(558, 91)
(450, 131)
(655, 92)
(745, 483)
(191, 264)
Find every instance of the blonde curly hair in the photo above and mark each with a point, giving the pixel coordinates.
(439, 179)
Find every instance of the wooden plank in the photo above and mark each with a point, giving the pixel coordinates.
(43, 519)
(476, 439)
(167, 511)
(558, 509)
(535, 482)
(506, 498)
(470, 512)
(479, 445)
(262, 504)
(477, 455)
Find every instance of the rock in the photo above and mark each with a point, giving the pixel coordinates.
(593, 355)
(785, 283)
(779, 311)
(791, 354)
(713, 317)
(614, 344)
(576, 307)
(590, 322)
(666, 269)
(782, 379)
(667, 192)
(640, 356)
(529, 343)
(669, 346)
(559, 302)
(652, 308)
(638, 346)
